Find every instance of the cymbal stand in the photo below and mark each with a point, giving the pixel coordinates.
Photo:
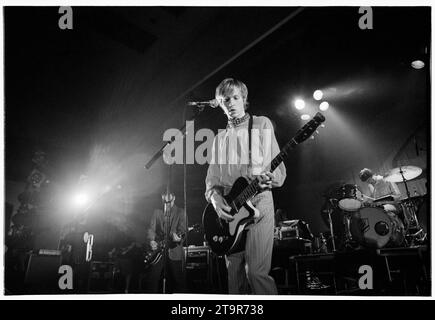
(410, 207)
(420, 235)
(406, 185)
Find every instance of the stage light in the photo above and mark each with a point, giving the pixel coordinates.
(417, 64)
(305, 117)
(318, 94)
(299, 104)
(324, 106)
(80, 200)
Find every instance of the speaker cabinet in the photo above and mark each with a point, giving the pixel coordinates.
(101, 277)
(42, 274)
(205, 272)
(198, 273)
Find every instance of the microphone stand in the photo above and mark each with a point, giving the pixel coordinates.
(185, 255)
(166, 213)
(148, 165)
(182, 129)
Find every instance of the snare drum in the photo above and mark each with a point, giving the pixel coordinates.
(373, 227)
(349, 197)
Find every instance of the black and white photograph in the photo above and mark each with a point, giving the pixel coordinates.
(217, 150)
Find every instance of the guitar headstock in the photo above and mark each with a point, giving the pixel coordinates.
(309, 128)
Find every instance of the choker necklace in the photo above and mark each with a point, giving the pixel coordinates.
(232, 123)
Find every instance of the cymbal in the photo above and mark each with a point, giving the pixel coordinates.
(409, 173)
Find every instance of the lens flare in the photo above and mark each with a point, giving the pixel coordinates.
(299, 104)
(318, 94)
(324, 106)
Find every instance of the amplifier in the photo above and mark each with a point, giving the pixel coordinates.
(42, 273)
(198, 269)
(197, 257)
(49, 252)
(101, 276)
(293, 229)
(288, 233)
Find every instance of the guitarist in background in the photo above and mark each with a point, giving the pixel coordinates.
(248, 270)
(175, 258)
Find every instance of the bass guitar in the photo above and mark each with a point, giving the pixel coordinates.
(225, 237)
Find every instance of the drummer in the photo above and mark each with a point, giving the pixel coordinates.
(380, 188)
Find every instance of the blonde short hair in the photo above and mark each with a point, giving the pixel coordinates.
(227, 86)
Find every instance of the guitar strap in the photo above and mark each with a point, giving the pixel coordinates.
(249, 141)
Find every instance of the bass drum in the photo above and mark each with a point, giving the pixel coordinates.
(373, 227)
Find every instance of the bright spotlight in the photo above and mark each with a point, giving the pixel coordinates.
(80, 200)
(417, 64)
(299, 104)
(324, 106)
(318, 94)
(305, 117)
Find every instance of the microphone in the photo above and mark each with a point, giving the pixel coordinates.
(212, 103)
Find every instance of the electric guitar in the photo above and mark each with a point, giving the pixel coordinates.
(152, 257)
(225, 237)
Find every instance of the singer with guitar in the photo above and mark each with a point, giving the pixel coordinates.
(175, 257)
(249, 266)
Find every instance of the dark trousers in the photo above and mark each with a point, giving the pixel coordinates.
(175, 280)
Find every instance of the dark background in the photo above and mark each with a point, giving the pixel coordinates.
(97, 99)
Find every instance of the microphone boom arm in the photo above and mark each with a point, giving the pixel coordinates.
(182, 129)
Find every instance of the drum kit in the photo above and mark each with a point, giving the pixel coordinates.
(373, 223)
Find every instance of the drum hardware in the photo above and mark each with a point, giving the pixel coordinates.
(415, 232)
(403, 174)
(349, 241)
(372, 224)
(293, 230)
(409, 212)
(330, 210)
(320, 244)
(338, 221)
(348, 198)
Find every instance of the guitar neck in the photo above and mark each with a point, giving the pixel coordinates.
(282, 155)
(252, 189)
